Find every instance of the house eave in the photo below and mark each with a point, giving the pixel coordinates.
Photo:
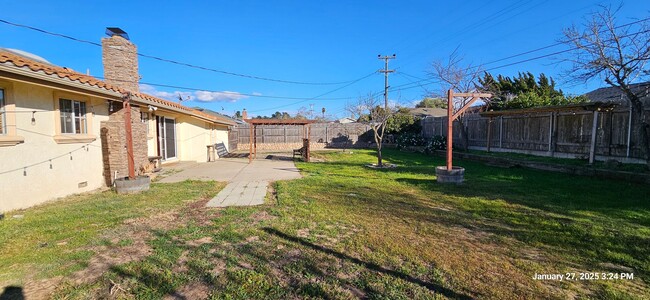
(26, 75)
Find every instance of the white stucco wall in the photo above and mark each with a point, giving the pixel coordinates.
(26, 178)
(192, 136)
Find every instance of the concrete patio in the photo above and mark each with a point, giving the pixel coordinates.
(248, 183)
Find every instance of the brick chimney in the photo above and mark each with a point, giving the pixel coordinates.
(244, 115)
(120, 59)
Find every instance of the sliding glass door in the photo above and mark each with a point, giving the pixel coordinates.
(166, 129)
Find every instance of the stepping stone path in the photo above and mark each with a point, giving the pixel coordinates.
(240, 193)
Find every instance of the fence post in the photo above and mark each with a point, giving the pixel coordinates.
(594, 129)
(327, 139)
(629, 133)
(501, 132)
(550, 132)
(489, 133)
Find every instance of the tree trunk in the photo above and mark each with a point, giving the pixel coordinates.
(464, 136)
(379, 137)
(379, 160)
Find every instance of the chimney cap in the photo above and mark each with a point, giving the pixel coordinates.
(113, 31)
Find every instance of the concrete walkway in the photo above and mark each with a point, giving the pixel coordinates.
(248, 183)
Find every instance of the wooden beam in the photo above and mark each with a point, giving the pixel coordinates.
(450, 122)
(250, 143)
(464, 108)
(255, 141)
(473, 95)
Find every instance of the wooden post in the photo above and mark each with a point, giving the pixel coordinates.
(451, 116)
(255, 141)
(308, 155)
(550, 132)
(489, 133)
(594, 131)
(554, 145)
(129, 135)
(250, 143)
(629, 133)
(500, 132)
(450, 121)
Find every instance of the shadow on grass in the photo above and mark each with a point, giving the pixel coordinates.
(12, 293)
(371, 266)
(600, 220)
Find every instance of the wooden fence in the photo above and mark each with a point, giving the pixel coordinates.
(558, 134)
(285, 137)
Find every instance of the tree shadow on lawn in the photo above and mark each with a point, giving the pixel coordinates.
(156, 275)
(368, 265)
(599, 219)
(249, 272)
(599, 231)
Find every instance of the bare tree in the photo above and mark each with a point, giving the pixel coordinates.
(618, 55)
(370, 110)
(454, 73)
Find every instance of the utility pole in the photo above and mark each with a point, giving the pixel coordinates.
(386, 71)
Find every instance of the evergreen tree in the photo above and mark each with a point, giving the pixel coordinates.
(524, 91)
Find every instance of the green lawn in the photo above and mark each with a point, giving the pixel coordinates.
(628, 167)
(345, 231)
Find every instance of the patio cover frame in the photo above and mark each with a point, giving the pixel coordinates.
(252, 141)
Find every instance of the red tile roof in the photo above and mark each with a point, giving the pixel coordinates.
(65, 73)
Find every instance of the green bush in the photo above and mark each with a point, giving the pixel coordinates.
(437, 142)
(409, 139)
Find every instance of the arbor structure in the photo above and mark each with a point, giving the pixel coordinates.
(454, 74)
(469, 99)
(616, 54)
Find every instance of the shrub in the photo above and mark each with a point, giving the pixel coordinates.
(437, 142)
(410, 139)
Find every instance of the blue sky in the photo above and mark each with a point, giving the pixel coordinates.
(305, 41)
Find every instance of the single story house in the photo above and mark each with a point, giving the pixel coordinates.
(62, 132)
(615, 95)
(423, 112)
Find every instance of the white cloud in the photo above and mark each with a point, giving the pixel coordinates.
(227, 96)
(200, 96)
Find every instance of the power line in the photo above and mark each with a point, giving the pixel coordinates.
(321, 95)
(222, 92)
(525, 60)
(173, 61)
(464, 30)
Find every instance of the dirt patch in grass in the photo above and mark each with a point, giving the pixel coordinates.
(140, 231)
(194, 290)
(261, 216)
(199, 242)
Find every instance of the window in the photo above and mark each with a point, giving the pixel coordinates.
(8, 136)
(3, 122)
(73, 117)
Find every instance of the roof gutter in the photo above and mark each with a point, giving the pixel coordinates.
(56, 82)
(178, 110)
(40, 78)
